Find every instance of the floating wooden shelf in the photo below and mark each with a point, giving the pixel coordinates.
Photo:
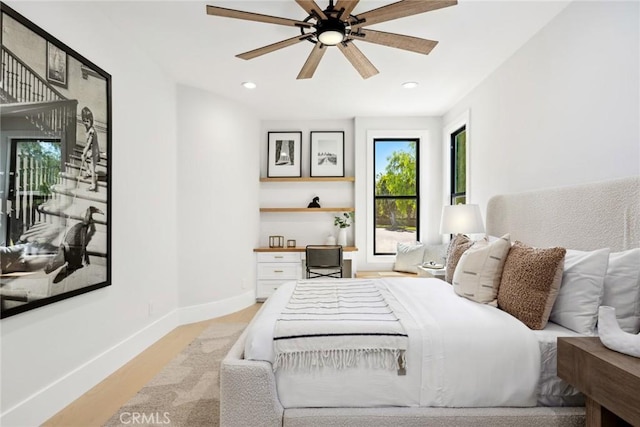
(307, 209)
(311, 179)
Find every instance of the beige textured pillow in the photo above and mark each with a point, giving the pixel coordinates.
(530, 281)
(479, 270)
(458, 245)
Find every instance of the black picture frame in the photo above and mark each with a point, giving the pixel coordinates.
(57, 70)
(284, 154)
(326, 154)
(55, 236)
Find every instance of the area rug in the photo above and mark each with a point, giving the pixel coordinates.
(186, 393)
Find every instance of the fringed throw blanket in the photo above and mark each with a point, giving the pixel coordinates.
(340, 324)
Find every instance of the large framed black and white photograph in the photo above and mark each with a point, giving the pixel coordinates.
(283, 154)
(55, 146)
(327, 154)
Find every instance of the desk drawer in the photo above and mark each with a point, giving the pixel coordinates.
(278, 257)
(274, 270)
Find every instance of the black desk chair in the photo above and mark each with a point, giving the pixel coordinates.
(324, 261)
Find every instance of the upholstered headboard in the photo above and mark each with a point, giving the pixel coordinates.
(583, 217)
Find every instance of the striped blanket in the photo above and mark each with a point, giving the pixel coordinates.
(341, 324)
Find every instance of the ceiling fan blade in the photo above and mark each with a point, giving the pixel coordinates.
(358, 60)
(400, 10)
(348, 6)
(312, 62)
(250, 16)
(399, 41)
(312, 8)
(273, 47)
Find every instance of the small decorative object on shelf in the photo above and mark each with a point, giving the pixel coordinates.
(315, 203)
(432, 265)
(343, 221)
(291, 243)
(276, 241)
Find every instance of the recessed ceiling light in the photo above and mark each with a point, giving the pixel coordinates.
(249, 85)
(409, 85)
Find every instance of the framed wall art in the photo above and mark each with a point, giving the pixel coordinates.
(283, 154)
(55, 233)
(56, 65)
(327, 154)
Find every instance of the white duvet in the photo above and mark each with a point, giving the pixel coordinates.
(461, 354)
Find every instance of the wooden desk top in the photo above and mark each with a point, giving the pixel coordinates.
(610, 378)
(299, 249)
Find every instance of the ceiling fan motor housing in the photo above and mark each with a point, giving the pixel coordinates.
(331, 31)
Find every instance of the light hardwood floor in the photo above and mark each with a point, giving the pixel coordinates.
(97, 405)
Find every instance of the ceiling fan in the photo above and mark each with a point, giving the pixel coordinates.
(336, 26)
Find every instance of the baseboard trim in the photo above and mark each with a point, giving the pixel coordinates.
(45, 403)
(48, 401)
(211, 310)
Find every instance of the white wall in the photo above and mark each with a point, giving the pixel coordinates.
(218, 217)
(52, 354)
(564, 109)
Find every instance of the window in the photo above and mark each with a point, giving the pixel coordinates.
(34, 169)
(459, 166)
(395, 193)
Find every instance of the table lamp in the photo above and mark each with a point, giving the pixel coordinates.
(461, 219)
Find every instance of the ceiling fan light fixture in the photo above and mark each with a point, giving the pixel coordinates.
(331, 31)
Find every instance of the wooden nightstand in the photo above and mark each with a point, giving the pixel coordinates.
(610, 380)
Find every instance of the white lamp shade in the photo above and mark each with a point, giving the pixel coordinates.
(461, 219)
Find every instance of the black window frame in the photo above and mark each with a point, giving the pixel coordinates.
(382, 197)
(453, 156)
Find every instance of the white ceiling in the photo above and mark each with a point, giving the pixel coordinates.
(199, 50)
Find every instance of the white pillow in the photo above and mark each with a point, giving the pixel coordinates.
(479, 270)
(409, 257)
(622, 288)
(581, 290)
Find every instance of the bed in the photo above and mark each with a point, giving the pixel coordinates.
(583, 218)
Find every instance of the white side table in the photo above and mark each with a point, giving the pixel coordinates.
(438, 273)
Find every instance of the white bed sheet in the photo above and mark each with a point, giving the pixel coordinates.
(461, 354)
(553, 391)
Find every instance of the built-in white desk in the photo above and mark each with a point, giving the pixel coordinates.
(274, 266)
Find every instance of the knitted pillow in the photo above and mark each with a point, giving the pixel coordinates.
(458, 245)
(478, 273)
(530, 281)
